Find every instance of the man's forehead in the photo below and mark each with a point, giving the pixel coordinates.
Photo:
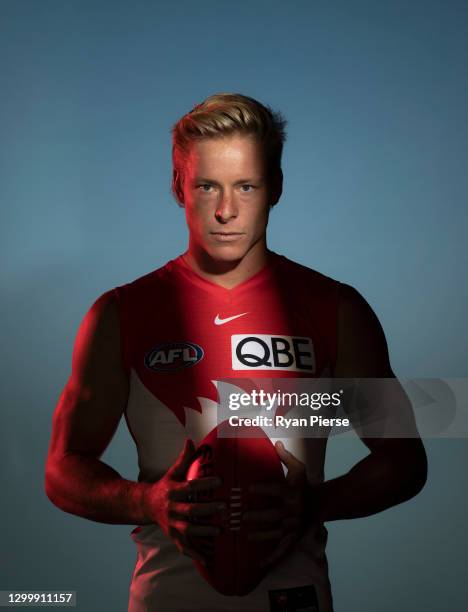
(233, 148)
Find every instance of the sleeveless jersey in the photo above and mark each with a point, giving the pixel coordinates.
(180, 334)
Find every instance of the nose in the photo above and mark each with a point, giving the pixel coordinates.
(226, 209)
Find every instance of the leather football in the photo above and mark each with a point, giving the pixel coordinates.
(235, 567)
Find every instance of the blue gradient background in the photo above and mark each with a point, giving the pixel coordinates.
(375, 195)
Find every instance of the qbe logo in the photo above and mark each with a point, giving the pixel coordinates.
(267, 352)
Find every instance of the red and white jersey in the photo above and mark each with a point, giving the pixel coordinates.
(181, 334)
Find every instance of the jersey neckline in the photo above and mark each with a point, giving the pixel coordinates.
(183, 269)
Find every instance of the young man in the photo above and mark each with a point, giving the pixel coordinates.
(154, 349)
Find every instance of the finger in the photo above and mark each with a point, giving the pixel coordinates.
(205, 546)
(266, 536)
(283, 547)
(194, 489)
(197, 510)
(293, 501)
(201, 531)
(179, 469)
(202, 542)
(292, 523)
(295, 467)
(273, 515)
(188, 530)
(270, 489)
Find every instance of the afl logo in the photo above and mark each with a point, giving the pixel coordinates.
(173, 356)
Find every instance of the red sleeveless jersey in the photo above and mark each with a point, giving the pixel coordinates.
(180, 334)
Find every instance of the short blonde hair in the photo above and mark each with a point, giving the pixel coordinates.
(223, 114)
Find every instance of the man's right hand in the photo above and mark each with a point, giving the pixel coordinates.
(171, 503)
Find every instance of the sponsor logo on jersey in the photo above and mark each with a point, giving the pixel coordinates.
(219, 321)
(268, 352)
(173, 356)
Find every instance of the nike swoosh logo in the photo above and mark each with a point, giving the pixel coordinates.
(219, 321)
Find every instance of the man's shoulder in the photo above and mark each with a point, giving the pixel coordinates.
(351, 302)
(309, 278)
(149, 280)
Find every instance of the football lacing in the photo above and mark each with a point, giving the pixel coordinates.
(235, 508)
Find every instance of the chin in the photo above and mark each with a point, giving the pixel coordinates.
(227, 253)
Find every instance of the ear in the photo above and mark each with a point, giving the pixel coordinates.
(177, 188)
(276, 188)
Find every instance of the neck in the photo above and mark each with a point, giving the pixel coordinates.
(228, 274)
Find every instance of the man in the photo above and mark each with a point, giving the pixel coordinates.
(154, 350)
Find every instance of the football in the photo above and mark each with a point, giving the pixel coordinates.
(235, 567)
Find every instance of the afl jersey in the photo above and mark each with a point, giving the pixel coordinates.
(180, 335)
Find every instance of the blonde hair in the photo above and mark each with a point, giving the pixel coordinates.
(223, 114)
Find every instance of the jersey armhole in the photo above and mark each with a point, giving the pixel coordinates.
(122, 309)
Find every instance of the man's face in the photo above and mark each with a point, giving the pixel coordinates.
(226, 195)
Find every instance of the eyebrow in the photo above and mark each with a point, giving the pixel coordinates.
(201, 179)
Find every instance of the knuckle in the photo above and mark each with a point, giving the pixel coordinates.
(176, 510)
(177, 528)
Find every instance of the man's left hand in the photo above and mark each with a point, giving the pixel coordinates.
(288, 517)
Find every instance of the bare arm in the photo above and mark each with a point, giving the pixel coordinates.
(84, 422)
(396, 468)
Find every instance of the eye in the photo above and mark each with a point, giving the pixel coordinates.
(250, 188)
(202, 187)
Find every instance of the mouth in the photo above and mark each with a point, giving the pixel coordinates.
(227, 236)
